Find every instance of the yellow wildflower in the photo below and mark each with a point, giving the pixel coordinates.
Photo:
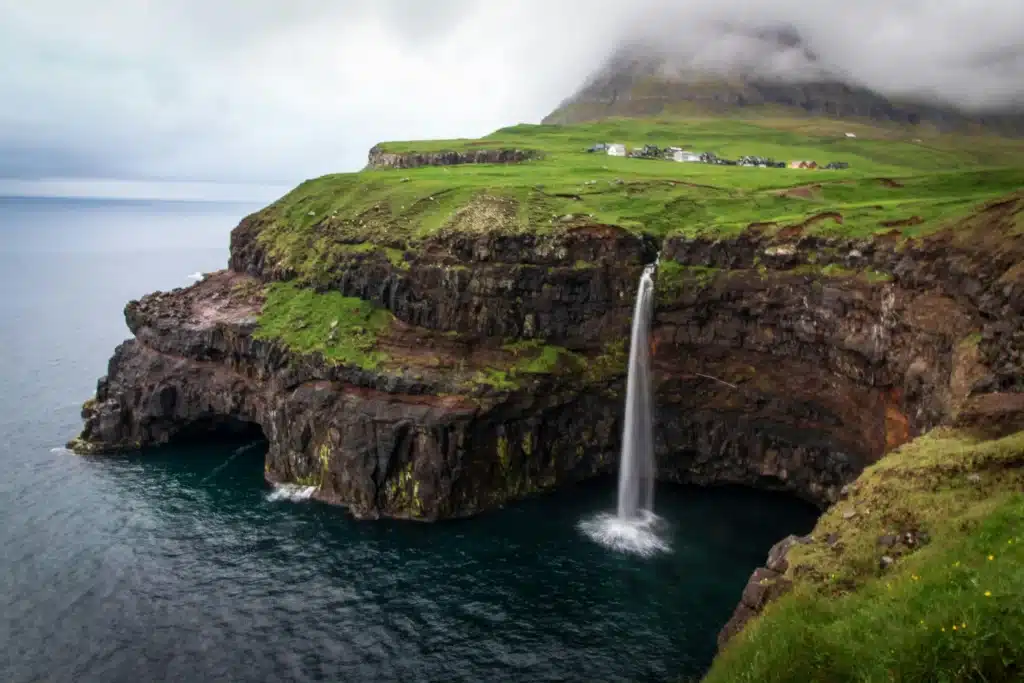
(954, 627)
(988, 594)
(991, 557)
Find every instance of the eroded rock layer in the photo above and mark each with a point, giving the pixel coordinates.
(780, 361)
(380, 158)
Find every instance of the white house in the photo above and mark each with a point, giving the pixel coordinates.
(851, 135)
(684, 155)
(616, 150)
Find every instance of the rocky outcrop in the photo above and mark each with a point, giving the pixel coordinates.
(935, 327)
(766, 584)
(780, 361)
(378, 446)
(379, 158)
(573, 287)
(426, 437)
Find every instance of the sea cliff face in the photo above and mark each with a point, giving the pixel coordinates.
(780, 361)
(380, 158)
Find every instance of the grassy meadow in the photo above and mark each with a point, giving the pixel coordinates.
(893, 183)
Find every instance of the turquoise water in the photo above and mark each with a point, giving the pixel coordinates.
(177, 564)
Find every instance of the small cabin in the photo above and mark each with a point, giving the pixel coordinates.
(685, 156)
(616, 150)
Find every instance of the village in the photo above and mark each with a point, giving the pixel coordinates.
(685, 156)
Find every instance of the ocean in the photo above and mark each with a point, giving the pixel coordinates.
(179, 564)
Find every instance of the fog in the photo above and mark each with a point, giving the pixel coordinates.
(268, 92)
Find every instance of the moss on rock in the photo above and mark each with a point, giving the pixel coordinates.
(918, 575)
(342, 329)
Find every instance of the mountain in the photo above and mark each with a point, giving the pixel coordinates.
(759, 72)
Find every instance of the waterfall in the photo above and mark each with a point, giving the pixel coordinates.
(636, 462)
(635, 528)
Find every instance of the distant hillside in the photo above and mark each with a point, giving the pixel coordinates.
(641, 82)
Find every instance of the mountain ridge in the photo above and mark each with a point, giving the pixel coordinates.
(754, 73)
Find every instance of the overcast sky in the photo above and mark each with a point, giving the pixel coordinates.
(275, 91)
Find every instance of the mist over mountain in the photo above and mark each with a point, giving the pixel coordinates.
(267, 92)
(737, 69)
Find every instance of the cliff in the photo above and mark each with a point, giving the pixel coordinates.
(380, 158)
(436, 344)
(488, 367)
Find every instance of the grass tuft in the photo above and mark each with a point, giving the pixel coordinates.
(673, 279)
(343, 329)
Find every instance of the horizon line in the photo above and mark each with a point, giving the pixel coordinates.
(122, 189)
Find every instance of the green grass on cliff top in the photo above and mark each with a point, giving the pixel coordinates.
(927, 183)
(896, 182)
(891, 178)
(343, 329)
(950, 609)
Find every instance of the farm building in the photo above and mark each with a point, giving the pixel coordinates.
(617, 150)
(685, 155)
(803, 164)
(647, 152)
(760, 162)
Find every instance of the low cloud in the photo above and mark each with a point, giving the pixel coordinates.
(966, 53)
(269, 92)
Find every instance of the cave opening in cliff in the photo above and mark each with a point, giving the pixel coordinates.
(227, 430)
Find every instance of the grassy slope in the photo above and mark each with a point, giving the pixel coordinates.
(385, 213)
(940, 178)
(949, 609)
(343, 329)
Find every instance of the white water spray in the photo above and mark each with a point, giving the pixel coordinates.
(294, 493)
(634, 527)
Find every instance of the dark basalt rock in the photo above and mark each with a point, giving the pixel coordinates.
(784, 362)
(572, 288)
(378, 158)
(769, 373)
(765, 584)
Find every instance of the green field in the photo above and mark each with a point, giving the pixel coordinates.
(892, 179)
(951, 606)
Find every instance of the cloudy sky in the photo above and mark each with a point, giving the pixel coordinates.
(274, 91)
